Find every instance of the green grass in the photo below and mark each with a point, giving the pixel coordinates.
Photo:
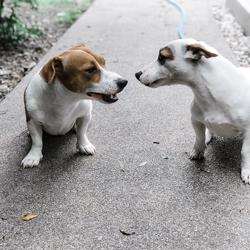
(45, 3)
(51, 3)
(70, 10)
(14, 30)
(70, 16)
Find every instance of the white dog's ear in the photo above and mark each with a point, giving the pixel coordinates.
(165, 54)
(195, 51)
(50, 69)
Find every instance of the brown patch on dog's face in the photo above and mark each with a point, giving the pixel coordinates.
(165, 54)
(98, 58)
(76, 68)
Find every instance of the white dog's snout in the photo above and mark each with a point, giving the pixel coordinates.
(138, 75)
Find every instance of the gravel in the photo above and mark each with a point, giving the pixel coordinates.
(233, 33)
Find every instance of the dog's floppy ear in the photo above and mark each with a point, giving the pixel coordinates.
(50, 69)
(195, 51)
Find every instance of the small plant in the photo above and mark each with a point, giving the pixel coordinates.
(70, 17)
(73, 10)
(13, 30)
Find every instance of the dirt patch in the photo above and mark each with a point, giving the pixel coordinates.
(53, 18)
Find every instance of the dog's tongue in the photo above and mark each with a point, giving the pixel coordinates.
(104, 97)
(110, 98)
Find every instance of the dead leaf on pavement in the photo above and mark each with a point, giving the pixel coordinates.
(143, 164)
(156, 142)
(29, 216)
(125, 233)
(165, 157)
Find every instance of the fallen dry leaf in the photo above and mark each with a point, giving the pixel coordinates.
(165, 157)
(156, 142)
(29, 216)
(143, 164)
(125, 233)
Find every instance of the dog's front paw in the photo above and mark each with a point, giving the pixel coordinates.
(245, 175)
(87, 149)
(31, 160)
(196, 155)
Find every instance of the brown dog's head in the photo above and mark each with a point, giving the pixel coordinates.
(82, 71)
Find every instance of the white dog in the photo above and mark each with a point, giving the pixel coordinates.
(221, 104)
(58, 98)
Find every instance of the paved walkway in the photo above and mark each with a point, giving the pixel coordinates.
(84, 202)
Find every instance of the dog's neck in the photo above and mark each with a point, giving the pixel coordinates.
(211, 79)
(60, 92)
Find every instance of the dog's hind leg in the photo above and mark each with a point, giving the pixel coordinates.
(245, 155)
(209, 136)
(199, 146)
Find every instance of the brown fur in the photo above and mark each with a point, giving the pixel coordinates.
(200, 51)
(48, 71)
(71, 68)
(167, 53)
(98, 58)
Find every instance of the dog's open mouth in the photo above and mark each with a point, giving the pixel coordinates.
(158, 81)
(103, 97)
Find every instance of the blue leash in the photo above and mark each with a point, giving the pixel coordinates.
(182, 17)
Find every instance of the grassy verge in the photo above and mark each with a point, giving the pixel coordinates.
(70, 10)
(22, 20)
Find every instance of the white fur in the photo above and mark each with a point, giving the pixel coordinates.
(221, 91)
(56, 110)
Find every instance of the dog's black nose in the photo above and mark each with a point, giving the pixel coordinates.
(138, 74)
(121, 83)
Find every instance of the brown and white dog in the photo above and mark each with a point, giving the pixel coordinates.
(221, 104)
(59, 97)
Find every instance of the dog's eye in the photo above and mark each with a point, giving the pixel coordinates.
(91, 70)
(161, 59)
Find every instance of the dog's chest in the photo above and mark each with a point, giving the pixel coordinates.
(58, 128)
(221, 126)
(58, 124)
(59, 121)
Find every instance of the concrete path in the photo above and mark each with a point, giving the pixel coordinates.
(84, 202)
